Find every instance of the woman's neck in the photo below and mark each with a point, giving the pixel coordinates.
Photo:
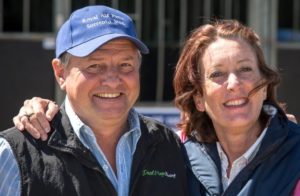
(235, 142)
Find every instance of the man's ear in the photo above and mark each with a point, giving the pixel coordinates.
(59, 72)
(198, 100)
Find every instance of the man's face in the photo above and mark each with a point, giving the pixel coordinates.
(104, 86)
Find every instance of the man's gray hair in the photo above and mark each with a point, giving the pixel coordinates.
(65, 58)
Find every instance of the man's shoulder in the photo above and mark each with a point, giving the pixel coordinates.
(13, 138)
(19, 139)
(11, 133)
(6, 150)
(4, 144)
(153, 124)
(155, 128)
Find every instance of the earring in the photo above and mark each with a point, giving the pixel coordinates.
(199, 105)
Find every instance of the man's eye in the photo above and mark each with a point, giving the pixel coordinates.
(126, 67)
(95, 68)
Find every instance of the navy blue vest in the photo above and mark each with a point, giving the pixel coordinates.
(275, 170)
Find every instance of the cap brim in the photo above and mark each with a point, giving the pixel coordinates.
(88, 47)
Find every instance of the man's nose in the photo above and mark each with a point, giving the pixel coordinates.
(112, 77)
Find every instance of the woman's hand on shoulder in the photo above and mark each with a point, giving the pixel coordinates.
(35, 115)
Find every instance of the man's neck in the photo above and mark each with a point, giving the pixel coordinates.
(107, 138)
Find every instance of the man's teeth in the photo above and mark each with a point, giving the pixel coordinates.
(235, 102)
(108, 95)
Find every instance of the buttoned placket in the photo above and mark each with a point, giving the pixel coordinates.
(124, 151)
(239, 163)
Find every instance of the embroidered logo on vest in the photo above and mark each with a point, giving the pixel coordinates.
(158, 173)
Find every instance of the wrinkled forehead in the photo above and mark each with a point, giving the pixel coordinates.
(118, 44)
(118, 48)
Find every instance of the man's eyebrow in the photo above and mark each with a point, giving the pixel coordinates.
(95, 58)
(99, 58)
(130, 57)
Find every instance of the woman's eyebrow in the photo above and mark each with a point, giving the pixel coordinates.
(245, 60)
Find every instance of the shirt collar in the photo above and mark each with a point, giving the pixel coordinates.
(82, 129)
(75, 121)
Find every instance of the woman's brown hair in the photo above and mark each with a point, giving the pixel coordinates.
(187, 79)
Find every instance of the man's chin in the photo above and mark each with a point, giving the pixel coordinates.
(113, 113)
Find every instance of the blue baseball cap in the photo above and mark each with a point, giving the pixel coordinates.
(91, 27)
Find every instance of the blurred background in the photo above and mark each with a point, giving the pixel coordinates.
(27, 41)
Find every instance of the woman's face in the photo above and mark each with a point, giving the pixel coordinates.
(229, 72)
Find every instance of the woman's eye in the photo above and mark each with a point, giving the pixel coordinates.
(245, 69)
(216, 74)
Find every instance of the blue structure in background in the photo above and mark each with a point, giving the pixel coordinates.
(288, 35)
(167, 115)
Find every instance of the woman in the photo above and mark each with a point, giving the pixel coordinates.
(238, 139)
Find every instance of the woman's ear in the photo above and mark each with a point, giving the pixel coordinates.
(59, 71)
(198, 100)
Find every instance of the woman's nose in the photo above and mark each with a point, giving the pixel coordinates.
(232, 81)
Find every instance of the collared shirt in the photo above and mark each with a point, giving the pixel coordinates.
(124, 152)
(239, 163)
(9, 171)
(243, 160)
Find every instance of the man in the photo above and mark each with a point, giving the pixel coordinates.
(98, 144)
